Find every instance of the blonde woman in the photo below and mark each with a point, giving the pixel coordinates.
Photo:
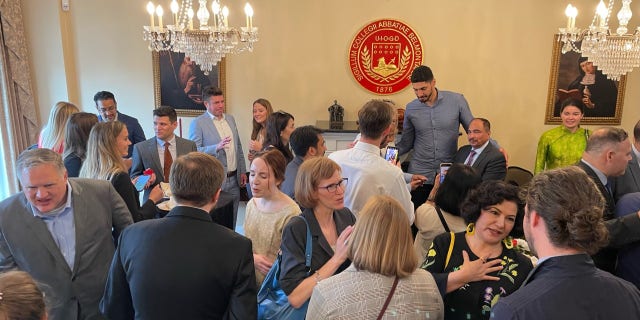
(108, 144)
(381, 249)
(320, 190)
(52, 135)
(268, 211)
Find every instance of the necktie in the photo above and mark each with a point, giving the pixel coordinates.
(168, 160)
(608, 187)
(472, 155)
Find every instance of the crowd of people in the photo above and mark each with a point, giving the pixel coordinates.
(337, 228)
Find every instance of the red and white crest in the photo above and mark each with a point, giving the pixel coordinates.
(383, 54)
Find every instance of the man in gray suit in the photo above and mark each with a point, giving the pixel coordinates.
(59, 231)
(630, 181)
(159, 152)
(480, 153)
(216, 133)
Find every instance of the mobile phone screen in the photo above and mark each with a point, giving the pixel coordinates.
(392, 154)
(444, 167)
(142, 180)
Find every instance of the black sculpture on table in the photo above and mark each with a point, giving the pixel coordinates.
(336, 113)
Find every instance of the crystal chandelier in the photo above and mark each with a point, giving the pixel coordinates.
(614, 55)
(205, 45)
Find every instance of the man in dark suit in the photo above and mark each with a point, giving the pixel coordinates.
(480, 153)
(183, 266)
(158, 152)
(216, 133)
(606, 157)
(563, 226)
(108, 111)
(59, 231)
(630, 181)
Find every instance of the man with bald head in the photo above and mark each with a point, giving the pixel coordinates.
(606, 156)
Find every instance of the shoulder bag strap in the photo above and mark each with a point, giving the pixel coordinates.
(308, 251)
(444, 223)
(386, 303)
(453, 240)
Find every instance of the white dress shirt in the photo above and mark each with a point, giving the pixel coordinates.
(225, 131)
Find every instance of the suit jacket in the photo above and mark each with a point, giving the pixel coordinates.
(570, 287)
(26, 244)
(145, 155)
(630, 181)
(183, 266)
(490, 164)
(136, 134)
(204, 133)
(604, 259)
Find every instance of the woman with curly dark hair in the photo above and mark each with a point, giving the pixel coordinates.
(479, 265)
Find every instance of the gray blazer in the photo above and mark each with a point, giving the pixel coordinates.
(630, 181)
(26, 244)
(145, 155)
(205, 135)
(490, 164)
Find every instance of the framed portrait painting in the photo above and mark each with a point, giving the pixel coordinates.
(178, 82)
(573, 76)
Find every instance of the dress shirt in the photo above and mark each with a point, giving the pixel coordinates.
(62, 227)
(225, 131)
(432, 131)
(369, 175)
(476, 155)
(172, 149)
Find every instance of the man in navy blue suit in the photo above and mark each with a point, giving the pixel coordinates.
(108, 111)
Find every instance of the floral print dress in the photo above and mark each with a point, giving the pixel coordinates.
(475, 299)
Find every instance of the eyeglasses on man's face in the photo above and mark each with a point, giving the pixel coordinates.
(334, 187)
(107, 110)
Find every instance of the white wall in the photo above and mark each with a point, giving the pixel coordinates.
(498, 53)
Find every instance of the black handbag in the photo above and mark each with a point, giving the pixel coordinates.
(272, 301)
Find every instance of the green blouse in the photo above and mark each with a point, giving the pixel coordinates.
(559, 147)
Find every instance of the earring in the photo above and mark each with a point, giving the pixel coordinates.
(508, 242)
(471, 228)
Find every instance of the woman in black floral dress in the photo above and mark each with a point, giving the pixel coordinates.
(477, 267)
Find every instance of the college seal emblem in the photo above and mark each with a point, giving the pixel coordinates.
(383, 54)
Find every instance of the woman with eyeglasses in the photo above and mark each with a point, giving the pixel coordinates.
(320, 189)
(279, 127)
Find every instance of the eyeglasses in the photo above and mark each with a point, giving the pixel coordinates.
(334, 187)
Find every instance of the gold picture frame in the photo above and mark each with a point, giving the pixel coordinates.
(565, 72)
(173, 73)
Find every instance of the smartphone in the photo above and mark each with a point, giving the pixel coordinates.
(142, 180)
(391, 155)
(444, 167)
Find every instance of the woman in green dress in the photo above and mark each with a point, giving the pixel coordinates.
(563, 146)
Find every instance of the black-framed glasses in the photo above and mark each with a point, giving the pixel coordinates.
(334, 187)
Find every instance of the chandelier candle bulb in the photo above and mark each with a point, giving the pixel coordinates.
(190, 15)
(249, 12)
(602, 12)
(159, 12)
(174, 9)
(151, 10)
(215, 8)
(225, 14)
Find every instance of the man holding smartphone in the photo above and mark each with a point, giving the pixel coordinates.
(368, 173)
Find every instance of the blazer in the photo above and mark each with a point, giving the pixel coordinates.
(294, 236)
(570, 287)
(183, 266)
(26, 244)
(490, 164)
(145, 155)
(630, 181)
(204, 133)
(136, 134)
